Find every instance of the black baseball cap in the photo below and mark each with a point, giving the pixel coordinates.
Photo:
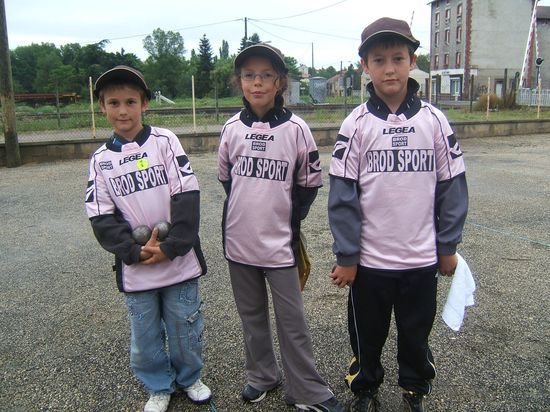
(265, 50)
(384, 27)
(121, 74)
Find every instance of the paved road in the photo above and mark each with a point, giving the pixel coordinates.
(64, 333)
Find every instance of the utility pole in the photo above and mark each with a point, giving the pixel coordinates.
(245, 32)
(13, 156)
(312, 62)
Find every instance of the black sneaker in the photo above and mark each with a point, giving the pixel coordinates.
(365, 401)
(330, 405)
(413, 402)
(251, 394)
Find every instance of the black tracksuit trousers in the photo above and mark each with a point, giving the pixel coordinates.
(412, 296)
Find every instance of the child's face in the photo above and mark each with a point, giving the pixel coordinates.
(123, 108)
(260, 91)
(389, 69)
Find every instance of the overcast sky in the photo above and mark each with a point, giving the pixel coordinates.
(329, 28)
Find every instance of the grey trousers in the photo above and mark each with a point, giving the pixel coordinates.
(302, 382)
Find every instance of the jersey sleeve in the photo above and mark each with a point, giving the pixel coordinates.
(345, 155)
(448, 156)
(451, 200)
(309, 163)
(224, 172)
(181, 176)
(98, 199)
(344, 216)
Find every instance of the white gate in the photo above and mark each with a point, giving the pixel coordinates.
(530, 97)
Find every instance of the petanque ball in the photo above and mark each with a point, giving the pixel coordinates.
(163, 228)
(141, 234)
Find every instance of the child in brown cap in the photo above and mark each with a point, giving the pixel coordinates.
(397, 205)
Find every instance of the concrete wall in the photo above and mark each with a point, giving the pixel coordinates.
(205, 142)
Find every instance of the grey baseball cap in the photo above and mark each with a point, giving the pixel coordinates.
(384, 27)
(121, 74)
(265, 50)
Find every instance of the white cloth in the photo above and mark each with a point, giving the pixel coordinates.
(461, 295)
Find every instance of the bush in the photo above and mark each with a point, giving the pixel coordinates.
(509, 101)
(481, 104)
(495, 103)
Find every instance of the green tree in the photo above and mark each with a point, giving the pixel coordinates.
(222, 77)
(25, 66)
(161, 44)
(224, 50)
(165, 67)
(90, 61)
(423, 62)
(205, 67)
(64, 78)
(254, 39)
(94, 60)
(128, 59)
(326, 73)
(292, 64)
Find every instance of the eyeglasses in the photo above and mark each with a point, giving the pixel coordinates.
(267, 77)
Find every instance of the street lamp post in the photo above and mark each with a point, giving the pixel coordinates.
(538, 63)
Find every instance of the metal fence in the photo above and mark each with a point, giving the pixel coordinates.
(56, 125)
(531, 97)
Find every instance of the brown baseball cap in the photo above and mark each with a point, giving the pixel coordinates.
(386, 26)
(121, 74)
(265, 50)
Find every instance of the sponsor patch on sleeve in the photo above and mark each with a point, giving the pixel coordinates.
(184, 165)
(454, 147)
(314, 162)
(340, 146)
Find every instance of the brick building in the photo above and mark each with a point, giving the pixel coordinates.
(485, 39)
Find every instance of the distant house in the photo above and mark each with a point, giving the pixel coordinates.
(335, 85)
(422, 78)
(487, 40)
(338, 83)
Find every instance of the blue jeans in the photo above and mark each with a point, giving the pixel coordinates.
(175, 313)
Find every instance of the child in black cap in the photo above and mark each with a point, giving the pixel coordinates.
(141, 176)
(397, 204)
(269, 167)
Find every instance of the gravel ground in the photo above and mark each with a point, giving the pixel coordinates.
(64, 331)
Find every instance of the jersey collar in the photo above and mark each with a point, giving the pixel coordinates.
(409, 107)
(275, 117)
(116, 142)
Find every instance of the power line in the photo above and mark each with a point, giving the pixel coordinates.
(180, 29)
(274, 35)
(305, 13)
(307, 31)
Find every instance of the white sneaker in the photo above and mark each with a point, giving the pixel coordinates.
(158, 402)
(198, 392)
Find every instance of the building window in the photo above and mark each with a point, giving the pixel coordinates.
(447, 15)
(459, 34)
(457, 59)
(459, 9)
(447, 36)
(436, 62)
(436, 39)
(446, 60)
(436, 19)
